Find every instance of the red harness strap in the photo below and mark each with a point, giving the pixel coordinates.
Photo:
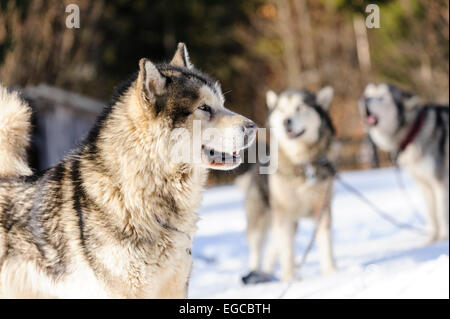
(414, 130)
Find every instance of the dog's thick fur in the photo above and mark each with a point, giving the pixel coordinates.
(115, 218)
(417, 135)
(300, 187)
(15, 127)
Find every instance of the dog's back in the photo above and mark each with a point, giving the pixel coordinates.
(435, 137)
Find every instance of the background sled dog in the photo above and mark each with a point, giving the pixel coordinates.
(300, 187)
(115, 218)
(417, 136)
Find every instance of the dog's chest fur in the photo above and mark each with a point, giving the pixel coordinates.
(296, 197)
(150, 266)
(293, 191)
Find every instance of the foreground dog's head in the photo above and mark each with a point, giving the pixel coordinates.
(300, 117)
(189, 106)
(383, 108)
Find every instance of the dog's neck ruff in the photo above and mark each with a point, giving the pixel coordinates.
(413, 130)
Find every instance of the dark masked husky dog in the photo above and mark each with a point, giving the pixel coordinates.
(417, 136)
(301, 185)
(116, 217)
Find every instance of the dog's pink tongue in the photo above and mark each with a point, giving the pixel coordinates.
(371, 119)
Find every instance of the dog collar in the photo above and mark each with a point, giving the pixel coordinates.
(313, 171)
(413, 130)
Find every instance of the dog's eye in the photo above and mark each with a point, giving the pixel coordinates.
(205, 108)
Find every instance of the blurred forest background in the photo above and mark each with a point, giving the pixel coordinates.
(250, 46)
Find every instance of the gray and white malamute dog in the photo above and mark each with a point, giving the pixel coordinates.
(417, 136)
(301, 185)
(115, 218)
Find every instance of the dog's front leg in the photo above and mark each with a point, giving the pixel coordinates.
(257, 226)
(282, 245)
(172, 280)
(287, 254)
(173, 290)
(442, 203)
(323, 238)
(431, 214)
(174, 287)
(272, 253)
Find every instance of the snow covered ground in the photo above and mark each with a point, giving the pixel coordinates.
(375, 259)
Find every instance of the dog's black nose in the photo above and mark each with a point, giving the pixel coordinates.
(287, 123)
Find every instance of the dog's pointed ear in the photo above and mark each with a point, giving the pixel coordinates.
(150, 81)
(410, 100)
(407, 99)
(181, 57)
(271, 99)
(324, 97)
(219, 91)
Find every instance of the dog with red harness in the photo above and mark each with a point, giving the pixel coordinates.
(417, 135)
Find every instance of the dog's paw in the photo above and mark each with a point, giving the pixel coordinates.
(257, 277)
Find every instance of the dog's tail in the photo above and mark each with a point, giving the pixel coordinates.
(15, 115)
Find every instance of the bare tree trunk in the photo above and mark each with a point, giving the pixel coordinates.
(362, 46)
(308, 50)
(288, 36)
